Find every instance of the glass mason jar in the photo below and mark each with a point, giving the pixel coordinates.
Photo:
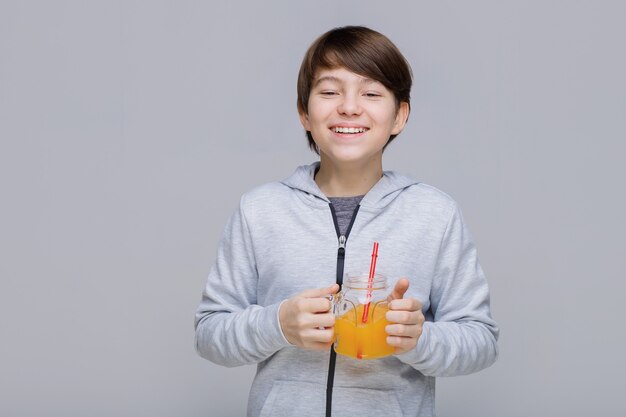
(360, 318)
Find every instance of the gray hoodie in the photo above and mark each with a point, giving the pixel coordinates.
(282, 240)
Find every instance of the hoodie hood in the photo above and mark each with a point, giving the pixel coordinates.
(381, 194)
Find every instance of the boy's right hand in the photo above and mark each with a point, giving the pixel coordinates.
(306, 319)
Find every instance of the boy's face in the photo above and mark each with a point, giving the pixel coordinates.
(351, 117)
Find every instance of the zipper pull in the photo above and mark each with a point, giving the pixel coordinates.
(342, 242)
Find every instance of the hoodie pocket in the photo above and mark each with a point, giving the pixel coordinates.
(305, 399)
(295, 398)
(365, 402)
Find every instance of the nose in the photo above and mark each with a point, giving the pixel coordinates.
(349, 105)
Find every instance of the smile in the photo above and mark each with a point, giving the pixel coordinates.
(349, 129)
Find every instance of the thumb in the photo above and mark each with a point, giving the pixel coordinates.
(319, 292)
(399, 289)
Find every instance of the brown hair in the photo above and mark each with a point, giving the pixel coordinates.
(362, 51)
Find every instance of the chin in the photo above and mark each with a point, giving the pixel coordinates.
(349, 158)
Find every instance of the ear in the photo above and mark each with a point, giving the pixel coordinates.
(402, 115)
(304, 119)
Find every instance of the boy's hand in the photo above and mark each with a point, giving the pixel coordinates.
(306, 319)
(406, 317)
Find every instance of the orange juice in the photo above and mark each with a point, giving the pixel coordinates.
(363, 340)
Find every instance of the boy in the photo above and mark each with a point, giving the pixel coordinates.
(286, 248)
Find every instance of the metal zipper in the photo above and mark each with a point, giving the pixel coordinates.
(341, 256)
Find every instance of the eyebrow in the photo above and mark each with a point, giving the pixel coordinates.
(338, 80)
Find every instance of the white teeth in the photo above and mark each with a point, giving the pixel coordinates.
(349, 129)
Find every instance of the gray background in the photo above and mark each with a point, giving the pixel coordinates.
(130, 129)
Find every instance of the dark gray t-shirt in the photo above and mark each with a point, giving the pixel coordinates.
(344, 208)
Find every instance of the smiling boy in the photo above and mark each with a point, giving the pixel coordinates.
(351, 118)
(286, 248)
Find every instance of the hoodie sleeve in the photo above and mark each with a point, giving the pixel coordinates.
(231, 329)
(461, 337)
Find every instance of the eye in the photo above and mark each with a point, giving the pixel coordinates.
(328, 92)
(372, 94)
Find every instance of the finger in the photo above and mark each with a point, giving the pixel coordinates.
(399, 289)
(318, 335)
(319, 292)
(314, 305)
(404, 317)
(324, 320)
(319, 346)
(403, 330)
(317, 321)
(409, 304)
(401, 344)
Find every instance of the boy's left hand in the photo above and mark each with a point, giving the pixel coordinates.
(406, 317)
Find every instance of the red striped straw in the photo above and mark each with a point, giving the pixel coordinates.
(370, 280)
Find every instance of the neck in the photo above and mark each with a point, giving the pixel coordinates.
(348, 180)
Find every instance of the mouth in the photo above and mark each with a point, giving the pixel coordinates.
(344, 130)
